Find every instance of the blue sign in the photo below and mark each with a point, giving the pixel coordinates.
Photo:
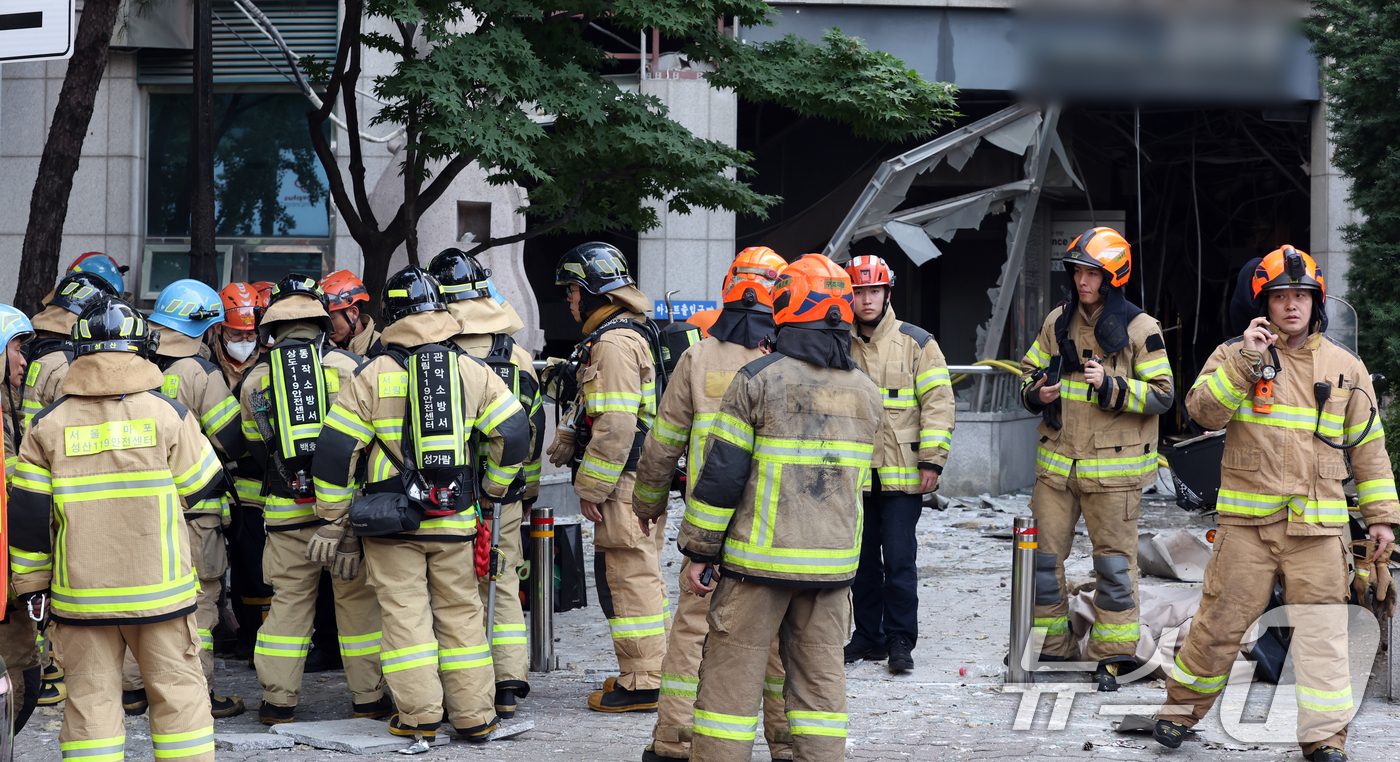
(683, 309)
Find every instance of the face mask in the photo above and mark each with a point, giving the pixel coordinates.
(240, 350)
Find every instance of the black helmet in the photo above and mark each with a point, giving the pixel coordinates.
(299, 284)
(597, 267)
(459, 276)
(77, 290)
(112, 325)
(409, 291)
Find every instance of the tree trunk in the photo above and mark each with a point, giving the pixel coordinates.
(48, 205)
(377, 253)
(203, 263)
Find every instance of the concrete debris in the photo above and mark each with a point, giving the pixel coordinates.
(359, 736)
(1179, 555)
(251, 741)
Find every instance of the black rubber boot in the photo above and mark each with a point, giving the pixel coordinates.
(650, 756)
(322, 660)
(620, 699)
(374, 709)
(224, 706)
(1169, 734)
(429, 730)
(480, 733)
(271, 714)
(901, 655)
(855, 653)
(505, 703)
(1326, 754)
(1106, 676)
(134, 702)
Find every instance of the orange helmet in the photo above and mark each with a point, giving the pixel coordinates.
(343, 289)
(813, 289)
(242, 306)
(704, 319)
(751, 277)
(1288, 267)
(1106, 249)
(867, 270)
(264, 289)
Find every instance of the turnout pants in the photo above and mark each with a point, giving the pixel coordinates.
(20, 650)
(885, 593)
(811, 626)
(510, 653)
(210, 561)
(631, 591)
(93, 722)
(680, 676)
(1112, 519)
(435, 655)
(1239, 579)
(285, 638)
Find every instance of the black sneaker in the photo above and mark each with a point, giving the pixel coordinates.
(480, 733)
(855, 653)
(134, 702)
(620, 699)
(271, 714)
(901, 655)
(374, 709)
(1169, 734)
(322, 660)
(1326, 754)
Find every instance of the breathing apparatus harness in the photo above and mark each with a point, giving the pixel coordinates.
(297, 386)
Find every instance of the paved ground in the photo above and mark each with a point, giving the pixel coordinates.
(932, 713)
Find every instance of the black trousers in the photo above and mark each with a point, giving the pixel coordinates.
(885, 595)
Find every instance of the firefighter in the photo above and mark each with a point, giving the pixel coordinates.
(190, 310)
(777, 507)
(236, 349)
(95, 523)
(103, 266)
(420, 405)
(17, 633)
(1098, 447)
(1294, 404)
(615, 406)
(350, 330)
(48, 354)
(288, 394)
(688, 410)
(907, 364)
(482, 323)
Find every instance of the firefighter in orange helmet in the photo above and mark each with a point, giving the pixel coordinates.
(1098, 447)
(777, 507)
(350, 330)
(688, 410)
(908, 366)
(237, 348)
(1290, 432)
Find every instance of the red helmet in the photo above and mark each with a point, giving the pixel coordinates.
(1288, 267)
(751, 277)
(867, 270)
(343, 289)
(813, 289)
(242, 306)
(1104, 248)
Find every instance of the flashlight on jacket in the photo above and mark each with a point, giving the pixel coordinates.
(1264, 391)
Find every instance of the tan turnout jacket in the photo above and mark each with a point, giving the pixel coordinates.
(688, 409)
(95, 509)
(479, 346)
(369, 415)
(906, 363)
(199, 385)
(1273, 467)
(1108, 438)
(779, 498)
(618, 390)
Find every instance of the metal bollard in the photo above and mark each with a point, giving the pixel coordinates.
(542, 589)
(1022, 597)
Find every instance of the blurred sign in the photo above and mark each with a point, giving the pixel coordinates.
(36, 30)
(683, 309)
(1065, 226)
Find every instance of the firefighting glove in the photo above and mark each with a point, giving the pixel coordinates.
(1385, 586)
(322, 546)
(1361, 553)
(561, 450)
(346, 565)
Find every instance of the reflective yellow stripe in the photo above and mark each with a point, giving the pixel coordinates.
(773, 686)
(1324, 701)
(175, 745)
(332, 493)
(282, 645)
(1151, 369)
(637, 626)
(1054, 625)
(931, 378)
(1198, 684)
(463, 658)
(669, 434)
(285, 508)
(813, 452)
(497, 412)
(732, 726)
(95, 749)
(219, 416)
(935, 438)
(1114, 633)
(1375, 490)
(33, 478)
(425, 655)
(681, 686)
(1222, 388)
(1036, 356)
(708, 516)
(613, 402)
(898, 398)
(599, 469)
(817, 723)
(349, 424)
(198, 476)
(125, 599)
(508, 635)
(732, 430)
(25, 562)
(360, 645)
(1055, 464)
(790, 560)
(650, 494)
(898, 476)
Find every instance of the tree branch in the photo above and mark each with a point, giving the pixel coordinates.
(570, 210)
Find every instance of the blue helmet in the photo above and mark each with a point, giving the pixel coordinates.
(102, 266)
(13, 324)
(188, 306)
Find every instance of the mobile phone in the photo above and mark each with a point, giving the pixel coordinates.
(1052, 375)
(707, 575)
